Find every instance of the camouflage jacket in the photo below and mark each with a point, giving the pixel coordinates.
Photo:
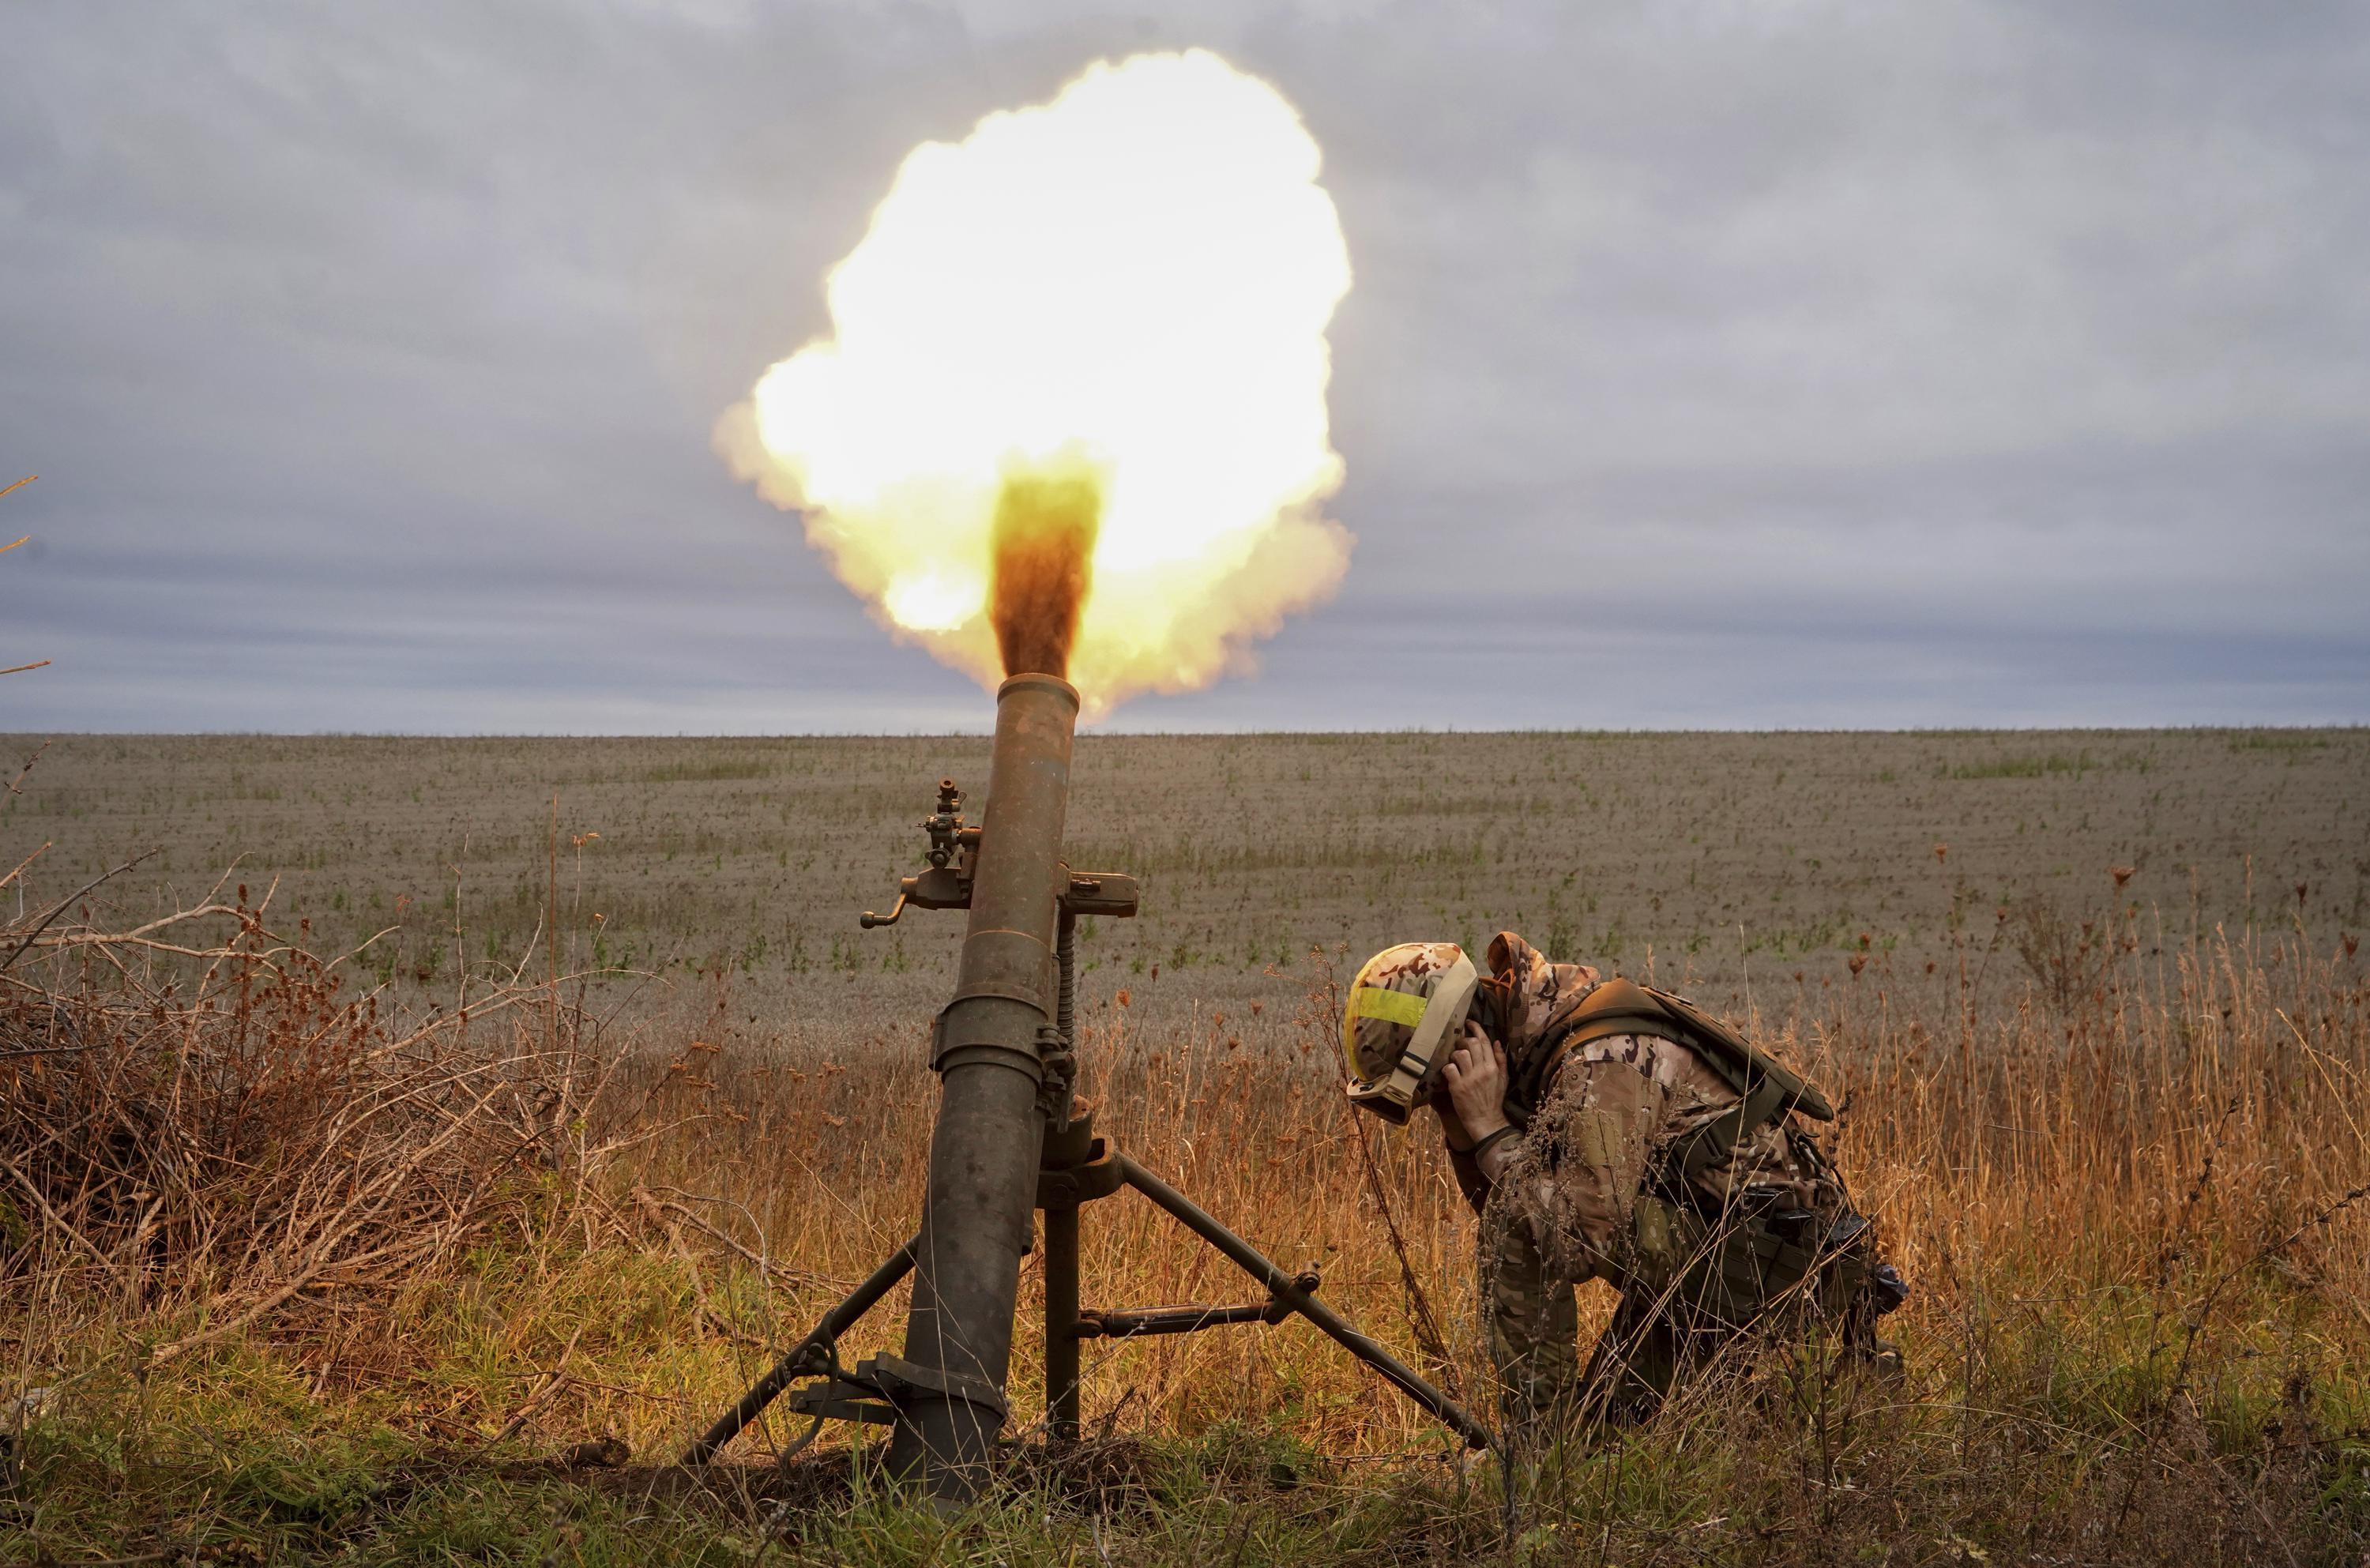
(1614, 1107)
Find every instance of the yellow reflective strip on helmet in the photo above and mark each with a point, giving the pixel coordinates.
(1394, 1007)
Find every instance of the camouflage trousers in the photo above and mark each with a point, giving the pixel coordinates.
(1534, 1321)
(1692, 1291)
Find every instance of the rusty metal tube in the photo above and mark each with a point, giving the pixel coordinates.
(976, 1216)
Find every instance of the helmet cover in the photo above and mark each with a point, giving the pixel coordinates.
(1405, 1004)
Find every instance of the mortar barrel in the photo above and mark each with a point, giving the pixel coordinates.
(976, 1219)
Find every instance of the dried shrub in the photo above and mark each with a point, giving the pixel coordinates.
(199, 1110)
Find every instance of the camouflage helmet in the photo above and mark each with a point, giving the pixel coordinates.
(1405, 1004)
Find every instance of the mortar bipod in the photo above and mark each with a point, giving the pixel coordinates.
(1075, 1168)
(1062, 1187)
(1080, 1168)
(870, 1393)
(815, 1356)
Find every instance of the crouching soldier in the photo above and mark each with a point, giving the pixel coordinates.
(1604, 1130)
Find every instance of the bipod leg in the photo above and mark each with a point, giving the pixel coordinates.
(1062, 1324)
(1288, 1290)
(1067, 1176)
(835, 1322)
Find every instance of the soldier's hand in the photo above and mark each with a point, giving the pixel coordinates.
(1475, 1077)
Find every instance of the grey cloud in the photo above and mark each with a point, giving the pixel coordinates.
(1946, 363)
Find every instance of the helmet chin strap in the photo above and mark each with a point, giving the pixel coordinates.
(1452, 998)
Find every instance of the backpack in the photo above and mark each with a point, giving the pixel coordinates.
(1766, 1087)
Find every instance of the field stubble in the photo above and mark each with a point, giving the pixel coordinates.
(326, 1253)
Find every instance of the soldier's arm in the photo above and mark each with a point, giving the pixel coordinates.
(1469, 1180)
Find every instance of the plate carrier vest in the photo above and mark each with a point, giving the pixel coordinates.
(1766, 1087)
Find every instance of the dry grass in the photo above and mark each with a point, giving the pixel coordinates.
(2136, 1228)
(2119, 1151)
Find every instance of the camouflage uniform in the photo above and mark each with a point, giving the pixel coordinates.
(1585, 1197)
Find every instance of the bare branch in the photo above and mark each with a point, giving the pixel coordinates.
(66, 903)
(14, 784)
(28, 861)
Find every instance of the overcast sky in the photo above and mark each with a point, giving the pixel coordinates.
(1709, 363)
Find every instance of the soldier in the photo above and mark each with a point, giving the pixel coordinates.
(1604, 1130)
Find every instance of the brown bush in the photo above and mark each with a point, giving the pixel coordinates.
(198, 1109)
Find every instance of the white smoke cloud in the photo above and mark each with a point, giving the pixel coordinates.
(1138, 277)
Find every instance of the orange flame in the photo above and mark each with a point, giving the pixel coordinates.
(1042, 564)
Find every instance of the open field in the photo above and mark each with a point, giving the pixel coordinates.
(319, 1265)
(1721, 862)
